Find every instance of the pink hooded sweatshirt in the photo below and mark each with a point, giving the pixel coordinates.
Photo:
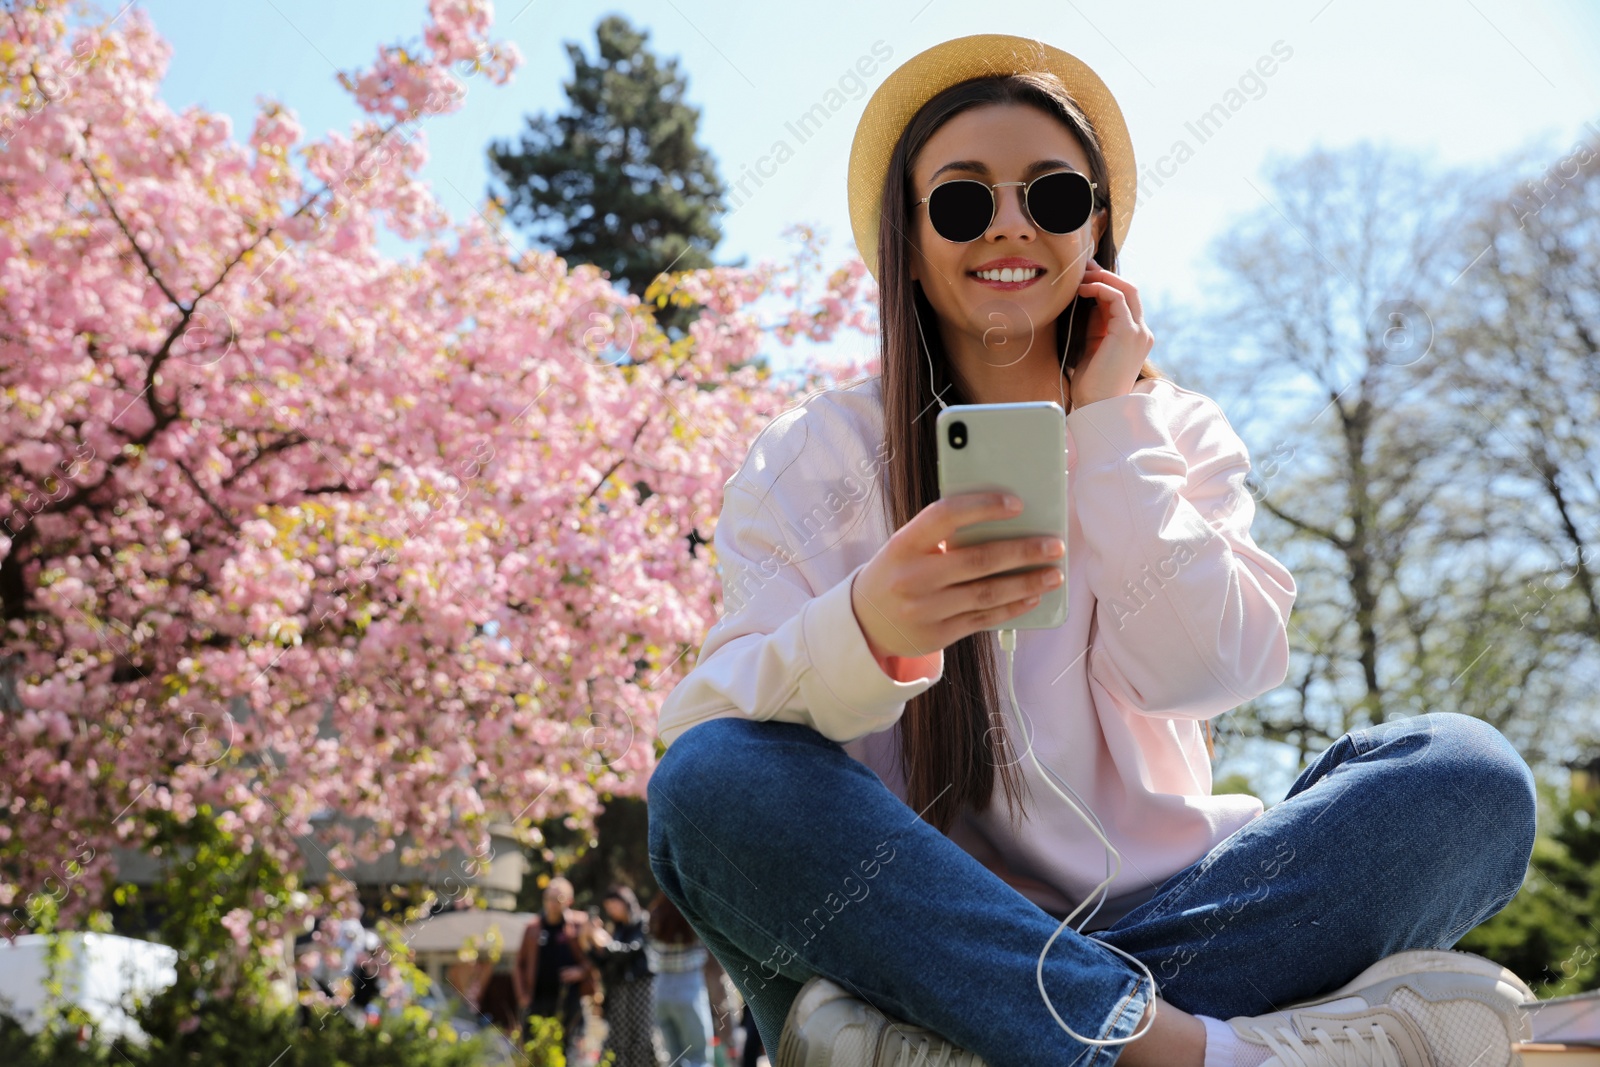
(1174, 616)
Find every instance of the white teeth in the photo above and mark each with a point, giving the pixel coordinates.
(1010, 274)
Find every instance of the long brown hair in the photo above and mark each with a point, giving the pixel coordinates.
(667, 924)
(953, 734)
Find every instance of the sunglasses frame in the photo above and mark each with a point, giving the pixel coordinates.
(994, 201)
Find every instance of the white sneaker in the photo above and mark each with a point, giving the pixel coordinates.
(1419, 1008)
(828, 1026)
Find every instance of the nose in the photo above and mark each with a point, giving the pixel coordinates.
(1010, 216)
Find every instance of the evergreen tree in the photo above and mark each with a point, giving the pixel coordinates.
(618, 180)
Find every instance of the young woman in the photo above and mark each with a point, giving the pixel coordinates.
(683, 1002)
(625, 976)
(845, 812)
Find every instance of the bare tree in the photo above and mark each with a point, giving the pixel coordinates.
(1341, 360)
(1521, 336)
(1526, 340)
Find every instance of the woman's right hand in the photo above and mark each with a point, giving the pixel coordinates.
(917, 596)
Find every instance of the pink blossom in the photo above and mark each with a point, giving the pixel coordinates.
(260, 575)
(237, 923)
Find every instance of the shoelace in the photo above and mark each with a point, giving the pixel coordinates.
(911, 1050)
(1353, 1050)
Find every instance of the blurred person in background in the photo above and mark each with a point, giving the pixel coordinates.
(553, 974)
(683, 1004)
(726, 1008)
(619, 953)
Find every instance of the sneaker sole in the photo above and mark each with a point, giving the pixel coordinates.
(842, 1010)
(815, 995)
(1429, 960)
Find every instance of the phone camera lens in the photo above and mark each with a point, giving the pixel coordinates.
(958, 434)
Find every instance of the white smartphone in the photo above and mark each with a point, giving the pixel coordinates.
(1019, 448)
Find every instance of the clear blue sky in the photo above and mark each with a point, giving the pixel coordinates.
(1470, 80)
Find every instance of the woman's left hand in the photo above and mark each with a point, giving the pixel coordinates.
(1117, 342)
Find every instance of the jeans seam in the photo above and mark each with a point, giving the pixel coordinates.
(1116, 1017)
(1489, 909)
(744, 918)
(1170, 898)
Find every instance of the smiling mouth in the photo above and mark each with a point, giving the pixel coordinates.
(1008, 275)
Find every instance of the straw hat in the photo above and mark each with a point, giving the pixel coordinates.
(927, 73)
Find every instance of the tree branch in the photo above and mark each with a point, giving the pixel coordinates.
(198, 488)
(155, 275)
(1300, 524)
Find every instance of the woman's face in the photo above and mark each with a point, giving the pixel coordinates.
(616, 909)
(557, 898)
(999, 143)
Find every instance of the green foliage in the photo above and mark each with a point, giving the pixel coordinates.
(227, 1031)
(543, 1044)
(56, 1046)
(221, 1008)
(1547, 933)
(617, 180)
(208, 875)
(1233, 783)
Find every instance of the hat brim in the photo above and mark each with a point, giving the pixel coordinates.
(928, 73)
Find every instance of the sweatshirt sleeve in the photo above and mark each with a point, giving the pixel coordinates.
(1191, 617)
(781, 650)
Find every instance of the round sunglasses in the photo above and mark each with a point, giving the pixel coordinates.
(962, 209)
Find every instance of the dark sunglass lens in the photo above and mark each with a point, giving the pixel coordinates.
(960, 210)
(1060, 203)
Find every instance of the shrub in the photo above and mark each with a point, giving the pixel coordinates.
(227, 1031)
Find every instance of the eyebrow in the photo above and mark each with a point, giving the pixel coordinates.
(1037, 167)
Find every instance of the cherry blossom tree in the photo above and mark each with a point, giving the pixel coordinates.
(291, 527)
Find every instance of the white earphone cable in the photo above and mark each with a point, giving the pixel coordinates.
(1008, 642)
(917, 315)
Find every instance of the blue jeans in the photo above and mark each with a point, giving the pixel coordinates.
(683, 1012)
(791, 859)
